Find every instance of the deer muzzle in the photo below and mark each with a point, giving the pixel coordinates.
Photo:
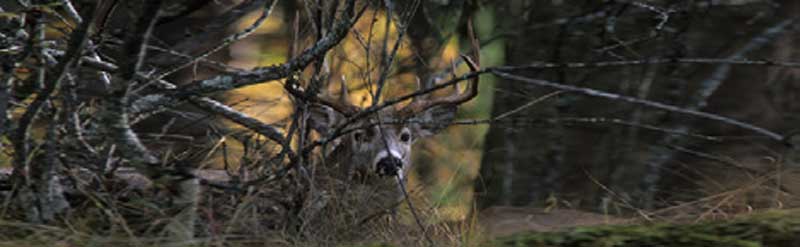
(389, 166)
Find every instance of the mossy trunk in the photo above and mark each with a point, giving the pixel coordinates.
(779, 228)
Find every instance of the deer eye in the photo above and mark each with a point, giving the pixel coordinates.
(405, 137)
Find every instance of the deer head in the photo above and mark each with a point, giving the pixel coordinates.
(380, 144)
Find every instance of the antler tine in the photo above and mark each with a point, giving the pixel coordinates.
(456, 86)
(342, 105)
(420, 86)
(343, 95)
(457, 98)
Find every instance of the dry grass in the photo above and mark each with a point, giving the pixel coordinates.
(332, 212)
(338, 230)
(350, 217)
(283, 213)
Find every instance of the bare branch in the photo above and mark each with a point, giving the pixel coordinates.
(237, 80)
(78, 40)
(115, 114)
(596, 93)
(238, 117)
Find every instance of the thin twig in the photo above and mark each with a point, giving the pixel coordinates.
(412, 209)
(386, 62)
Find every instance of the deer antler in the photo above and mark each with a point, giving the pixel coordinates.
(457, 98)
(342, 105)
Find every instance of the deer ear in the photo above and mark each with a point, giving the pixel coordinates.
(322, 118)
(433, 120)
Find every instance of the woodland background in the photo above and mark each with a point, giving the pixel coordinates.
(664, 110)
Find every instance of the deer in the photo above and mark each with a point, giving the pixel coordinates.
(375, 151)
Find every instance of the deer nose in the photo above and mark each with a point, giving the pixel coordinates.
(389, 166)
